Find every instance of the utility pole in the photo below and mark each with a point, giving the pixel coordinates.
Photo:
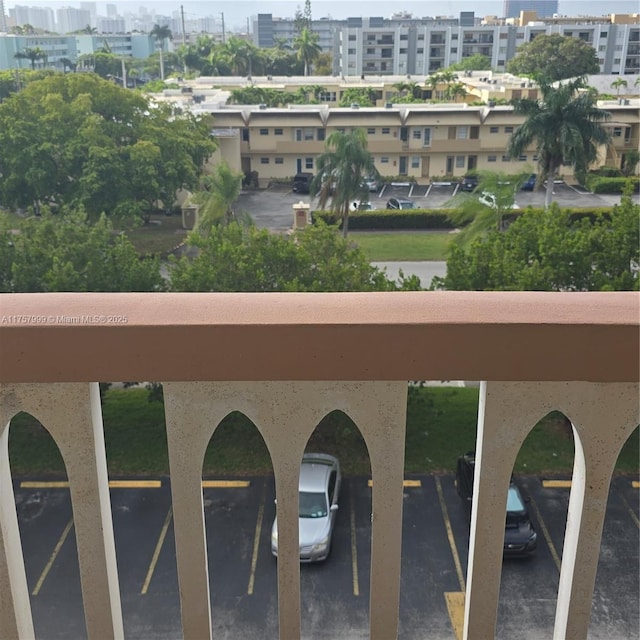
(223, 36)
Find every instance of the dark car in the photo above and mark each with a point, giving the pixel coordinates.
(400, 203)
(302, 182)
(520, 538)
(469, 183)
(530, 183)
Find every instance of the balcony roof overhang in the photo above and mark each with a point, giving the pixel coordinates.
(67, 337)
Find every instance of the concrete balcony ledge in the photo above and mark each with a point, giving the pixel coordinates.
(320, 336)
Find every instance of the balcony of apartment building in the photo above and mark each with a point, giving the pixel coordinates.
(469, 50)
(437, 38)
(287, 360)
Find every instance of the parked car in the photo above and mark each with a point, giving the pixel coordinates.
(469, 183)
(362, 206)
(530, 183)
(520, 538)
(318, 491)
(400, 203)
(489, 199)
(302, 182)
(372, 184)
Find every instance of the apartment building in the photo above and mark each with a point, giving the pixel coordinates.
(407, 45)
(71, 47)
(420, 141)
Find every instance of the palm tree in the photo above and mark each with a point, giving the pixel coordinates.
(455, 90)
(89, 30)
(221, 190)
(306, 44)
(33, 54)
(161, 35)
(341, 173)
(620, 82)
(566, 126)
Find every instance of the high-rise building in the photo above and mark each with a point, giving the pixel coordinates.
(70, 19)
(544, 8)
(3, 18)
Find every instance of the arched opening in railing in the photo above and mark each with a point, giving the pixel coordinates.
(238, 501)
(616, 595)
(335, 545)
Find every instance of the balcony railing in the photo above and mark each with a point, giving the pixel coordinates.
(286, 360)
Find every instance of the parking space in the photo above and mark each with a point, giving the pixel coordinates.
(243, 573)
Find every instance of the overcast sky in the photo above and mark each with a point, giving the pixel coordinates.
(237, 12)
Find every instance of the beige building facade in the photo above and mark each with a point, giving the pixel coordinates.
(413, 141)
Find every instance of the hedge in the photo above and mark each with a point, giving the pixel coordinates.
(602, 184)
(382, 219)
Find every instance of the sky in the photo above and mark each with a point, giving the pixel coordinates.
(236, 13)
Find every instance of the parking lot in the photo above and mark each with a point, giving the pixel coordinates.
(272, 208)
(334, 593)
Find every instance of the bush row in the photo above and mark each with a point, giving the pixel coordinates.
(604, 184)
(383, 219)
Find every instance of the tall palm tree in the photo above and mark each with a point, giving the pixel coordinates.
(620, 82)
(455, 90)
(341, 172)
(161, 35)
(306, 44)
(33, 54)
(566, 126)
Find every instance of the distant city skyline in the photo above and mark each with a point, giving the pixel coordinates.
(236, 14)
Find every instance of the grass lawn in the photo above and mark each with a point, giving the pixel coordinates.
(416, 245)
(160, 235)
(441, 424)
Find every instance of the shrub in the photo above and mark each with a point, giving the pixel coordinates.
(392, 219)
(599, 184)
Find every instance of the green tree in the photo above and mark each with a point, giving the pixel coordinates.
(618, 84)
(306, 44)
(220, 191)
(454, 91)
(65, 252)
(478, 214)
(566, 126)
(161, 34)
(549, 58)
(76, 139)
(341, 172)
(550, 251)
(33, 54)
(476, 62)
(67, 64)
(236, 258)
(362, 96)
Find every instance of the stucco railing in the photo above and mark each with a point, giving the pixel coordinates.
(286, 360)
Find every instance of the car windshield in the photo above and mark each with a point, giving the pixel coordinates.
(514, 500)
(312, 505)
(406, 205)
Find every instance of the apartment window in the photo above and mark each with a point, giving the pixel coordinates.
(494, 129)
(404, 36)
(503, 36)
(617, 132)
(308, 163)
(415, 162)
(245, 135)
(616, 61)
(416, 134)
(320, 134)
(506, 158)
(264, 160)
(264, 132)
(421, 36)
(351, 52)
(419, 50)
(403, 51)
(384, 160)
(618, 47)
(534, 158)
(279, 160)
(602, 47)
(492, 158)
(371, 51)
(352, 38)
(460, 162)
(508, 129)
(426, 141)
(462, 133)
(603, 34)
(522, 158)
(386, 130)
(474, 133)
(501, 63)
(327, 96)
(627, 134)
(371, 131)
(454, 36)
(454, 50)
(278, 132)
